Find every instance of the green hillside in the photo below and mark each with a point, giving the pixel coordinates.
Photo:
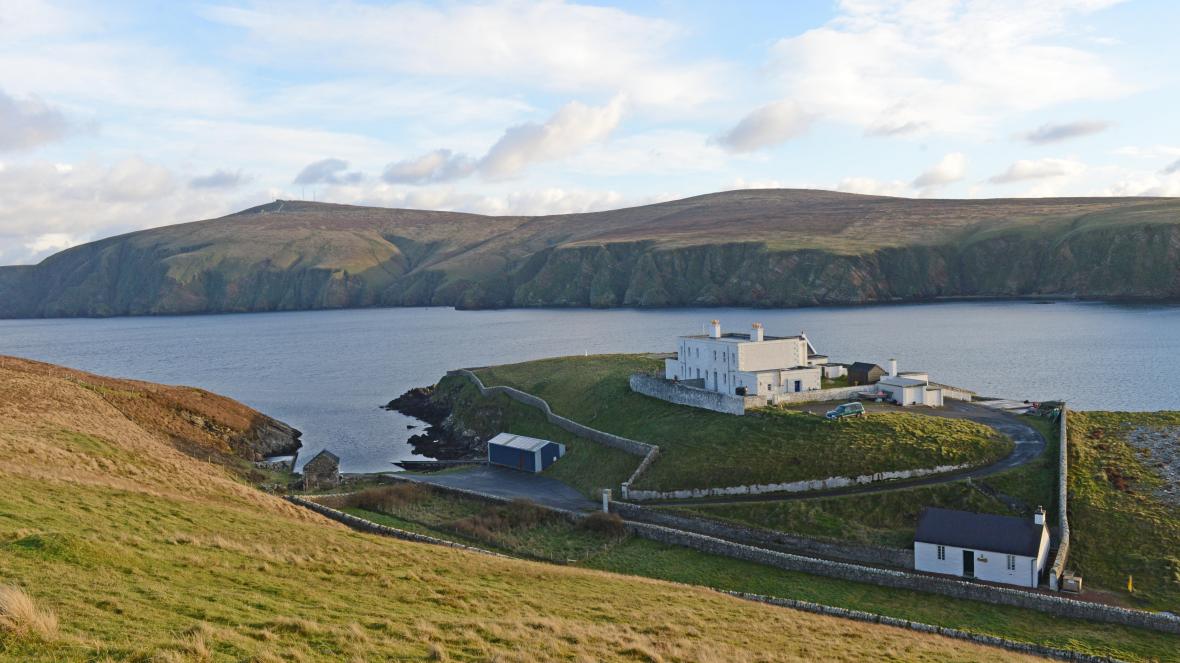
(115, 545)
(775, 247)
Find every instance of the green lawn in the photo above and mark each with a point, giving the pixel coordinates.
(1119, 528)
(436, 513)
(889, 519)
(703, 449)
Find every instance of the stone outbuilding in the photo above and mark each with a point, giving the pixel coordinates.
(322, 471)
(863, 373)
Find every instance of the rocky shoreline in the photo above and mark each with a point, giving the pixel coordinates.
(444, 438)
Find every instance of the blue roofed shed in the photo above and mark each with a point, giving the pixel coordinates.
(519, 452)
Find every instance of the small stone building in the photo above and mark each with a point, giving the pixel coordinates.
(322, 471)
(862, 373)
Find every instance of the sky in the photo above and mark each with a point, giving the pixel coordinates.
(119, 116)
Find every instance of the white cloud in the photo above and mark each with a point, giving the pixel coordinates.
(769, 125)
(950, 169)
(552, 45)
(44, 206)
(873, 187)
(51, 242)
(571, 128)
(328, 171)
(437, 166)
(896, 67)
(27, 123)
(219, 179)
(1055, 133)
(1032, 169)
(1172, 168)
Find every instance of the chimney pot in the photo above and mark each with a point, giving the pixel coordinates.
(757, 333)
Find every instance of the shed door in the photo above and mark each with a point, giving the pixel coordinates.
(968, 563)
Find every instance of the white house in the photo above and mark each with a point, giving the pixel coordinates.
(910, 387)
(746, 364)
(1002, 549)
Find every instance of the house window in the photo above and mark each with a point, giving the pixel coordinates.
(1011, 562)
(942, 552)
(714, 355)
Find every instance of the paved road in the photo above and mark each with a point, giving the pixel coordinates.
(504, 482)
(1029, 444)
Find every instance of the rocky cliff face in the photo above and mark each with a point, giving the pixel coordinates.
(769, 248)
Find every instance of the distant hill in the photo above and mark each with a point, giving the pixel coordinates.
(117, 546)
(774, 247)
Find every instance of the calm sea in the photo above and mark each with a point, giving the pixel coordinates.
(327, 372)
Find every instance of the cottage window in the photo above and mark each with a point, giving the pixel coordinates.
(942, 552)
(714, 355)
(1011, 562)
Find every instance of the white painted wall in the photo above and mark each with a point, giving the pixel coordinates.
(989, 566)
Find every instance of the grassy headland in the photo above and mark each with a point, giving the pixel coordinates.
(699, 448)
(116, 545)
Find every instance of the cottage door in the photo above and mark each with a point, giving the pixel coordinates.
(968, 563)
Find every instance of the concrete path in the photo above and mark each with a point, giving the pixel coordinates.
(1029, 444)
(503, 482)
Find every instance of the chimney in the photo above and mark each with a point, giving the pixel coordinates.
(893, 368)
(1039, 516)
(715, 329)
(756, 334)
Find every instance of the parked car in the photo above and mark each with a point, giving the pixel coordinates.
(845, 410)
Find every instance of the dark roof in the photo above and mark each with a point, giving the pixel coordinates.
(739, 335)
(325, 452)
(863, 366)
(1007, 535)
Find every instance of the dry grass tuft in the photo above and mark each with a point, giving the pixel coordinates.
(21, 618)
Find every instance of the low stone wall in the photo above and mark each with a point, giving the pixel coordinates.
(792, 486)
(766, 538)
(1058, 568)
(933, 584)
(946, 586)
(363, 525)
(819, 395)
(682, 394)
(978, 638)
(568, 425)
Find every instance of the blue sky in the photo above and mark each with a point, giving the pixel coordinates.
(120, 116)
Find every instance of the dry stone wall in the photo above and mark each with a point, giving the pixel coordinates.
(791, 486)
(1058, 568)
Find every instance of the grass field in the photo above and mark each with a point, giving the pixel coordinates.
(115, 545)
(889, 519)
(436, 513)
(1119, 527)
(699, 448)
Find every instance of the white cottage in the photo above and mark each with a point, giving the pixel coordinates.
(1003, 549)
(910, 387)
(746, 364)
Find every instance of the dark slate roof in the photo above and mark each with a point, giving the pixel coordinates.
(1008, 535)
(329, 454)
(863, 366)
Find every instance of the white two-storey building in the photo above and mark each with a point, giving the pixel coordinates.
(751, 364)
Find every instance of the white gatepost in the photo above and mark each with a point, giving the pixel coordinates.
(606, 500)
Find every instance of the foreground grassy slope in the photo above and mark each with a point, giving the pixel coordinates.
(145, 553)
(1119, 526)
(701, 448)
(519, 529)
(756, 247)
